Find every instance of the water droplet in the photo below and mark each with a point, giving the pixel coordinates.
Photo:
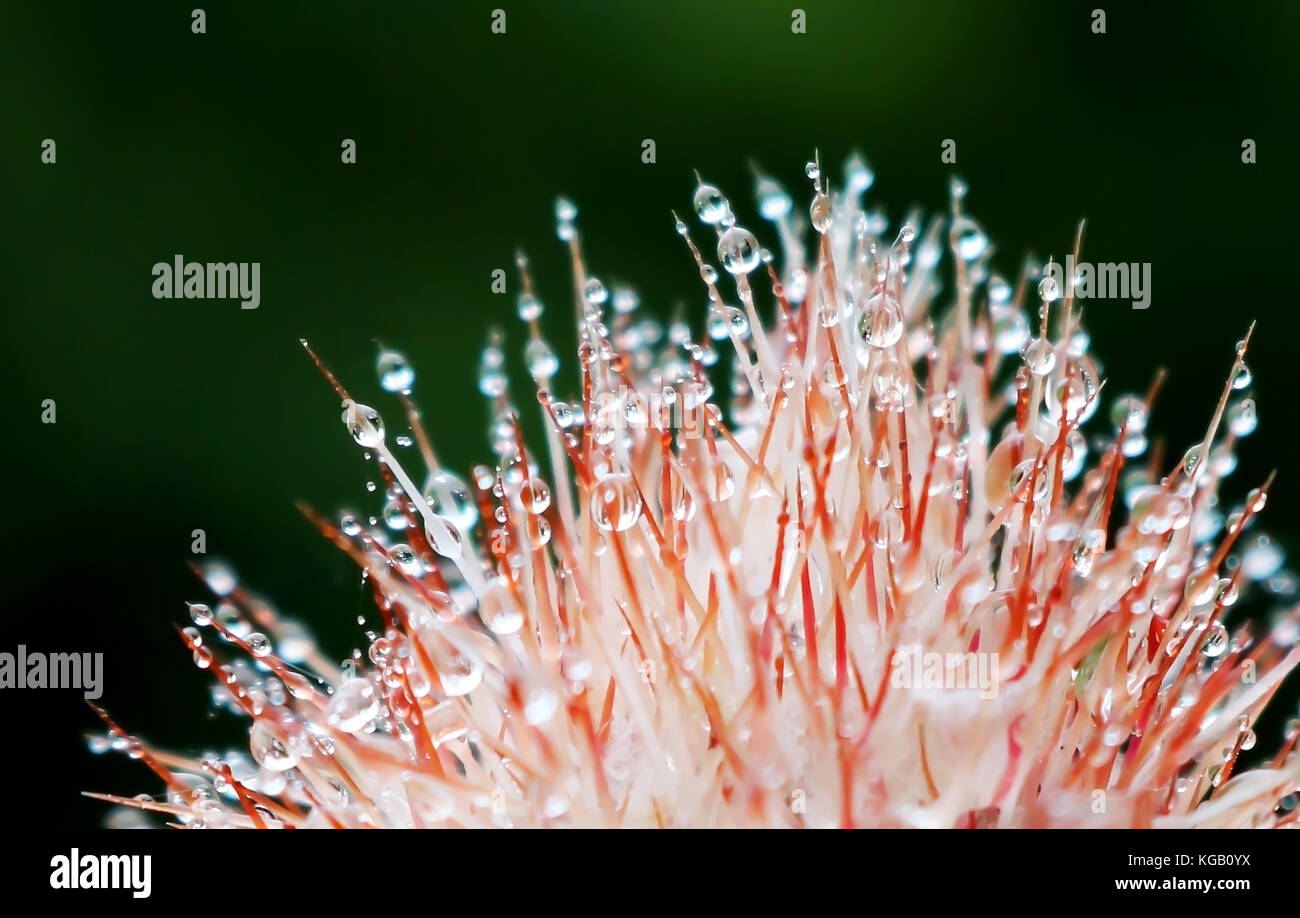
(1157, 511)
(717, 325)
(529, 307)
(1130, 409)
(267, 749)
(444, 537)
(1076, 454)
(539, 531)
(535, 495)
(820, 212)
(615, 506)
(364, 423)
(354, 704)
(1261, 559)
(1216, 640)
(541, 360)
(891, 384)
(858, 174)
(1242, 419)
(880, 324)
(1039, 356)
(228, 617)
(498, 609)
(395, 374)
(259, 644)
(968, 240)
(220, 579)
(540, 706)
(564, 415)
(403, 556)
(885, 529)
(1010, 328)
(722, 484)
(459, 673)
(395, 514)
(710, 204)
(1242, 377)
(201, 614)
(738, 251)
(773, 202)
(594, 292)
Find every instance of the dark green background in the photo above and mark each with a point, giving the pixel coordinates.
(181, 414)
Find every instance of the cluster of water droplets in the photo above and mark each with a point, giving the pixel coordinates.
(468, 573)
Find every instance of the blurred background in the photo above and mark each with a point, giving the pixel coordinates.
(183, 414)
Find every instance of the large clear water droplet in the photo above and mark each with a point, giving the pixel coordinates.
(353, 705)
(615, 506)
(364, 423)
(738, 250)
(268, 751)
(444, 537)
(880, 324)
(710, 204)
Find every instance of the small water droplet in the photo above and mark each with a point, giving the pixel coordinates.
(395, 374)
(594, 292)
(1216, 640)
(259, 644)
(364, 423)
(541, 360)
(710, 204)
(858, 175)
(1242, 419)
(773, 202)
(1039, 356)
(820, 212)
